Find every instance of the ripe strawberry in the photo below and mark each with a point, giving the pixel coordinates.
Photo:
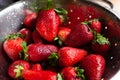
(36, 37)
(49, 75)
(30, 20)
(12, 46)
(69, 56)
(80, 13)
(100, 44)
(95, 24)
(79, 36)
(36, 67)
(26, 33)
(71, 73)
(32, 75)
(47, 24)
(94, 66)
(49, 21)
(63, 33)
(39, 52)
(16, 68)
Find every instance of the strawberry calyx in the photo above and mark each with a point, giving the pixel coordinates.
(100, 39)
(23, 54)
(86, 23)
(59, 77)
(14, 36)
(53, 59)
(18, 70)
(80, 73)
(56, 39)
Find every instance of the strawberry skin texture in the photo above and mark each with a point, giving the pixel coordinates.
(79, 36)
(30, 20)
(13, 47)
(69, 73)
(38, 52)
(47, 24)
(96, 25)
(63, 33)
(13, 65)
(36, 67)
(26, 33)
(69, 56)
(36, 37)
(94, 66)
(49, 75)
(100, 49)
(32, 75)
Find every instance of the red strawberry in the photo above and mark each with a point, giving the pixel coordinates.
(36, 37)
(32, 75)
(39, 52)
(26, 33)
(30, 20)
(69, 56)
(49, 75)
(80, 13)
(12, 46)
(16, 68)
(79, 36)
(95, 25)
(94, 66)
(47, 24)
(63, 33)
(71, 73)
(36, 67)
(100, 44)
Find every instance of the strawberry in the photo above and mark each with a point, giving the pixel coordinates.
(47, 26)
(79, 36)
(16, 68)
(69, 56)
(94, 66)
(30, 20)
(36, 67)
(12, 45)
(39, 52)
(26, 33)
(49, 75)
(95, 24)
(63, 33)
(48, 21)
(100, 44)
(36, 37)
(80, 13)
(32, 75)
(71, 73)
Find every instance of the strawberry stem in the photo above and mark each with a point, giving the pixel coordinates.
(80, 73)
(23, 53)
(14, 36)
(53, 59)
(18, 70)
(59, 77)
(100, 39)
(50, 4)
(58, 41)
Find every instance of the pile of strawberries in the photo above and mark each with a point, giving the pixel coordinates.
(58, 44)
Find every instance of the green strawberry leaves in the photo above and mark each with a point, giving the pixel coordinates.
(53, 59)
(18, 70)
(80, 73)
(100, 39)
(59, 77)
(14, 36)
(23, 54)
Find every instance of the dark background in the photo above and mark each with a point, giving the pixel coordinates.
(5, 3)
